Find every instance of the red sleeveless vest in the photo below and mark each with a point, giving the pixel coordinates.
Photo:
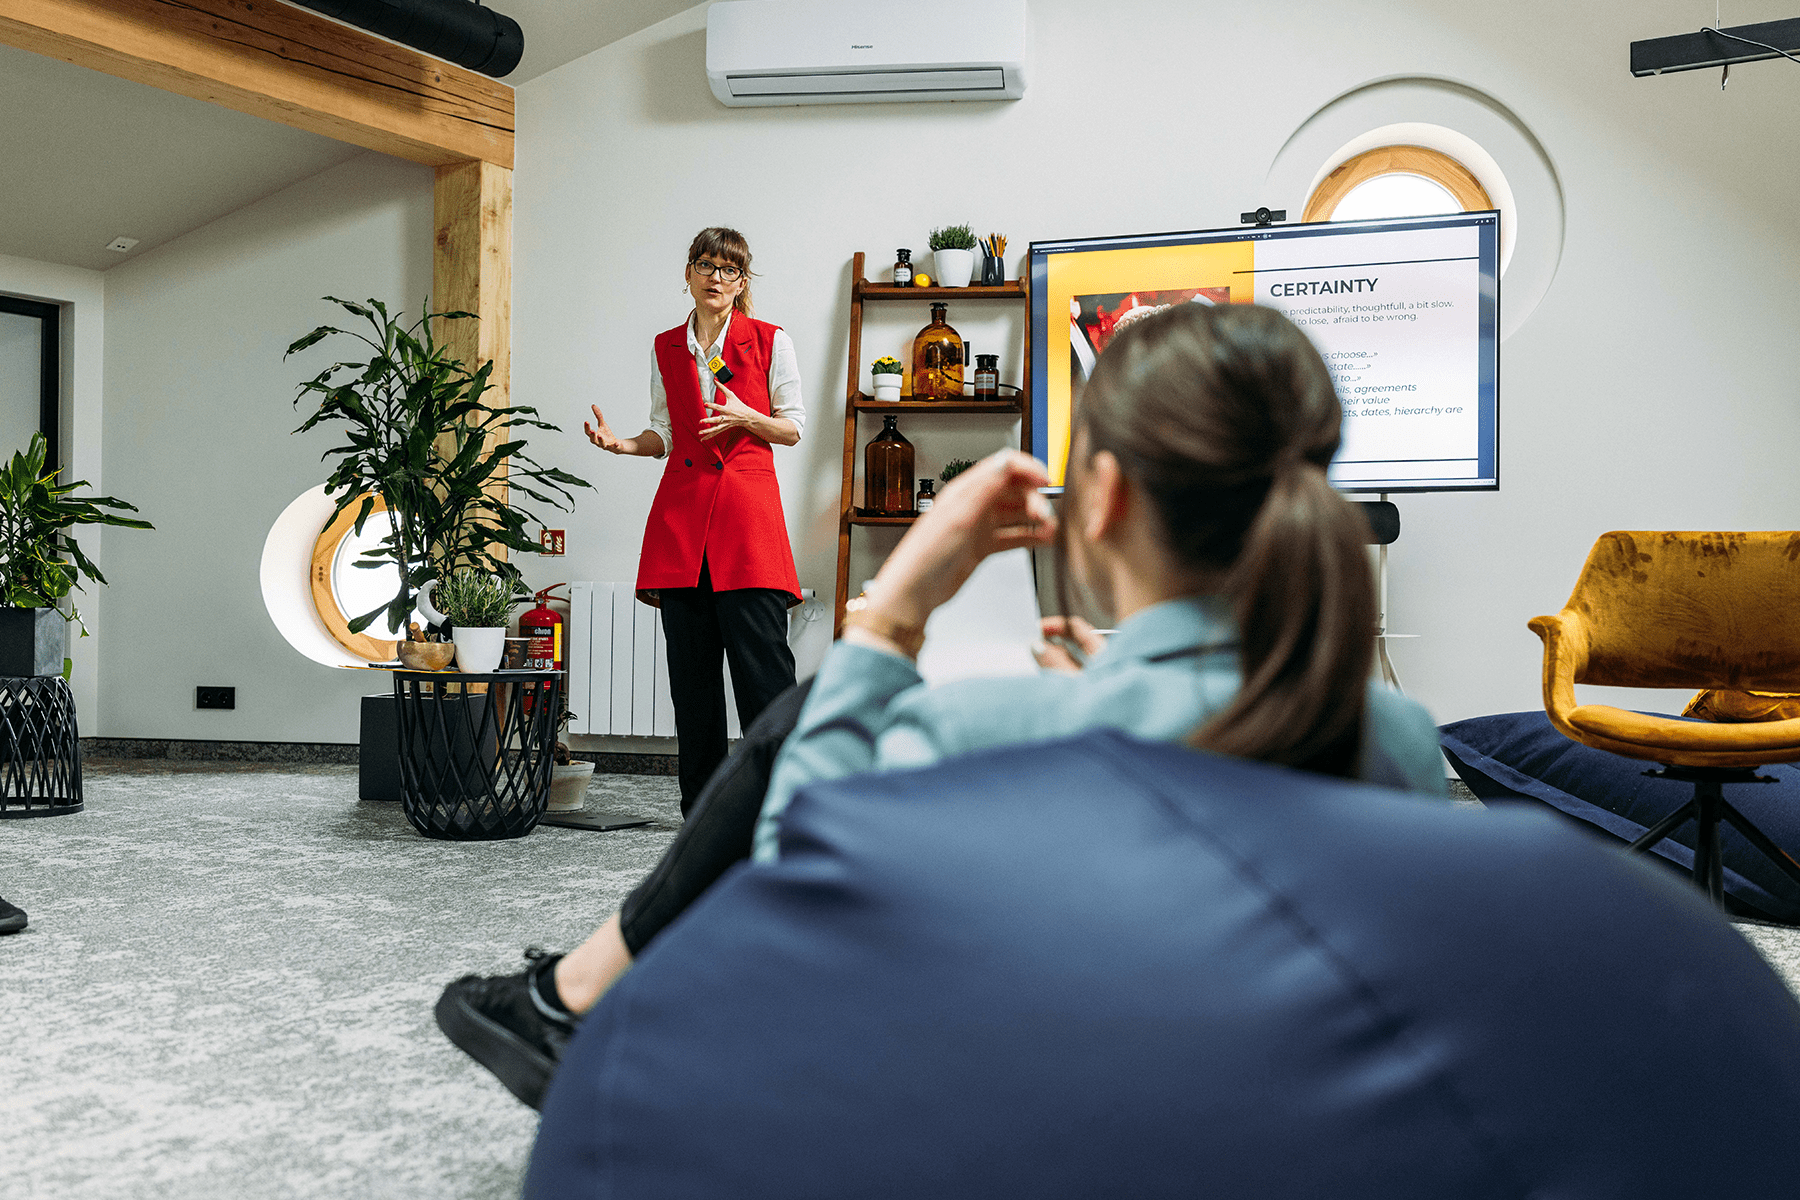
(718, 500)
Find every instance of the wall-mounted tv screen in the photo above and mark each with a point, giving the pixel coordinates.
(1405, 311)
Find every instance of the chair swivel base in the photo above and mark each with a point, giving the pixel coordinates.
(1708, 808)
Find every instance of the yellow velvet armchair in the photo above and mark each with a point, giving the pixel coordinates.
(1683, 610)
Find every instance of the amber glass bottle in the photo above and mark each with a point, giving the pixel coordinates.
(937, 360)
(888, 472)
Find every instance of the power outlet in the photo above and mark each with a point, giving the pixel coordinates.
(215, 697)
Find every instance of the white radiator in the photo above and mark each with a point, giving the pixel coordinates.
(618, 672)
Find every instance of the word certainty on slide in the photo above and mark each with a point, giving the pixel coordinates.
(1321, 287)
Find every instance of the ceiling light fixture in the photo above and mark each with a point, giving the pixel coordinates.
(1716, 48)
(121, 244)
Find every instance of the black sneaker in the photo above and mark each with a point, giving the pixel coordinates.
(502, 1023)
(12, 918)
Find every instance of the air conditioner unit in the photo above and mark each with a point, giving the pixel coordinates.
(768, 52)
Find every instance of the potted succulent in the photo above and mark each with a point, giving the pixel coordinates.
(40, 564)
(477, 604)
(953, 255)
(885, 373)
(420, 435)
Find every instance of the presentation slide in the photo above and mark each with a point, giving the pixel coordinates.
(1396, 313)
(1405, 313)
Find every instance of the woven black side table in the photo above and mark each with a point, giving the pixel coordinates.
(476, 767)
(40, 750)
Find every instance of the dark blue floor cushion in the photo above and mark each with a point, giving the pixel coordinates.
(1521, 757)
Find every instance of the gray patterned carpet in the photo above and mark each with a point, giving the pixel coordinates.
(226, 987)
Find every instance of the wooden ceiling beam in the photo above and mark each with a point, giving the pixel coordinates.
(471, 267)
(281, 63)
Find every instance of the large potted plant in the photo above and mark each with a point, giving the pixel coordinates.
(420, 435)
(40, 564)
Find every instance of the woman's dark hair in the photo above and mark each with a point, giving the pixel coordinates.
(1225, 417)
(721, 245)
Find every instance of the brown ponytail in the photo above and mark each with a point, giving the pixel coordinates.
(722, 245)
(1226, 418)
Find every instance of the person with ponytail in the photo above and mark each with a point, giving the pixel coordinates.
(1197, 515)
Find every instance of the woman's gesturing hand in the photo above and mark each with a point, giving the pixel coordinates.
(733, 414)
(601, 434)
(994, 505)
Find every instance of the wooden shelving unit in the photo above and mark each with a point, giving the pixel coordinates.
(863, 403)
(856, 403)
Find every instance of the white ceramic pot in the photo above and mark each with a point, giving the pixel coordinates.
(478, 650)
(568, 786)
(887, 387)
(953, 267)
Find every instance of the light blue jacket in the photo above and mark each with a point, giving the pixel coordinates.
(1165, 670)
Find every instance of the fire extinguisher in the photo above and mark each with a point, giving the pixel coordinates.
(544, 626)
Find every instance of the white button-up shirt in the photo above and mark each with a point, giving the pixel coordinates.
(784, 382)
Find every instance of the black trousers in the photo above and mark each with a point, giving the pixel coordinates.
(702, 628)
(720, 832)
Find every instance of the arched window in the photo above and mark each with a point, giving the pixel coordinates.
(1396, 181)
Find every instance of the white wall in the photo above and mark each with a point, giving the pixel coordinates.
(199, 414)
(1650, 389)
(82, 296)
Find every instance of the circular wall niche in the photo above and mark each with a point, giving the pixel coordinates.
(1469, 126)
(308, 581)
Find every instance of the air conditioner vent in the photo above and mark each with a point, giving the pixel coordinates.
(863, 83)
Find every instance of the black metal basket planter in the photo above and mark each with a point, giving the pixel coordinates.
(476, 750)
(40, 748)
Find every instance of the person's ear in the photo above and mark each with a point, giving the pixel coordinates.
(1105, 497)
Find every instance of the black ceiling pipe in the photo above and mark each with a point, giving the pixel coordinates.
(461, 31)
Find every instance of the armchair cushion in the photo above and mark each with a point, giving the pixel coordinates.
(1520, 757)
(1724, 704)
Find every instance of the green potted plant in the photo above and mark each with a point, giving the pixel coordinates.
(953, 468)
(419, 434)
(477, 604)
(569, 778)
(40, 563)
(953, 255)
(885, 373)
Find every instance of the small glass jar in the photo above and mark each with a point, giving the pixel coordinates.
(987, 376)
(927, 494)
(937, 359)
(903, 268)
(888, 472)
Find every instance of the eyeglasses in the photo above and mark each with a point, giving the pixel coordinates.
(725, 271)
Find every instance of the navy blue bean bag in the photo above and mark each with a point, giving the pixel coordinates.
(1521, 757)
(1103, 967)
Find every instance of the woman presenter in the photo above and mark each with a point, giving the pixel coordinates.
(716, 557)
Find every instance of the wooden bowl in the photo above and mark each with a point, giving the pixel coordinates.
(425, 656)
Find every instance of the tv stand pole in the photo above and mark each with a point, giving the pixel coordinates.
(1389, 676)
